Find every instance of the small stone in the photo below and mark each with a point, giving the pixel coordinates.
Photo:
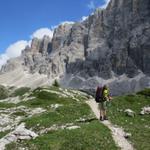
(145, 110)
(55, 106)
(73, 127)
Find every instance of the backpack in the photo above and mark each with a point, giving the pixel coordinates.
(98, 96)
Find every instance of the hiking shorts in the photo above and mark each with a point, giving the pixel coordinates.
(103, 105)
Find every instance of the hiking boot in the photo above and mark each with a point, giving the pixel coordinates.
(101, 119)
(105, 118)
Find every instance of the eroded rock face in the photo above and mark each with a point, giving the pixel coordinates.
(11, 65)
(109, 43)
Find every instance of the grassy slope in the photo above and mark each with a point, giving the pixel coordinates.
(91, 135)
(3, 92)
(2, 134)
(20, 91)
(139, 126)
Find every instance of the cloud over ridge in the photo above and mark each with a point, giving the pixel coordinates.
(41, 32)
(105, 4)
(14, 50)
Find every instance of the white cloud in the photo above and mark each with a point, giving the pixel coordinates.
(84, 18)
(62, 23)
(14, 50)
(66, 22)
(105, 5)
(91, 5)
(41, 32)
(29, 43)
(3, 59)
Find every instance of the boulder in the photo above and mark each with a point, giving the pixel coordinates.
(129, 113)
(145, 110)
(20, 133)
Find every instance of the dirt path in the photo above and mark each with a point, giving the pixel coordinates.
(117, 133)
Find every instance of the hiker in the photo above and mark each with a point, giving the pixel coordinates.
(103, 97)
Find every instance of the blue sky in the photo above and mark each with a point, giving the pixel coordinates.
(19, 19)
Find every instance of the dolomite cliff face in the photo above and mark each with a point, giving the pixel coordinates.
(112, 46)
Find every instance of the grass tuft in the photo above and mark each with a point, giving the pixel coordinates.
(138, 126)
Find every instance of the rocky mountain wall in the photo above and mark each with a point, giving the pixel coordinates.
(110, 43)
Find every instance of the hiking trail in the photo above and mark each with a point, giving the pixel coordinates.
(117, 133)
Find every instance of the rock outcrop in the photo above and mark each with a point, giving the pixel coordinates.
(110, 44)
(20, 133)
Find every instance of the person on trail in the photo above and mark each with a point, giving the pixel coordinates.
(103, 102)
